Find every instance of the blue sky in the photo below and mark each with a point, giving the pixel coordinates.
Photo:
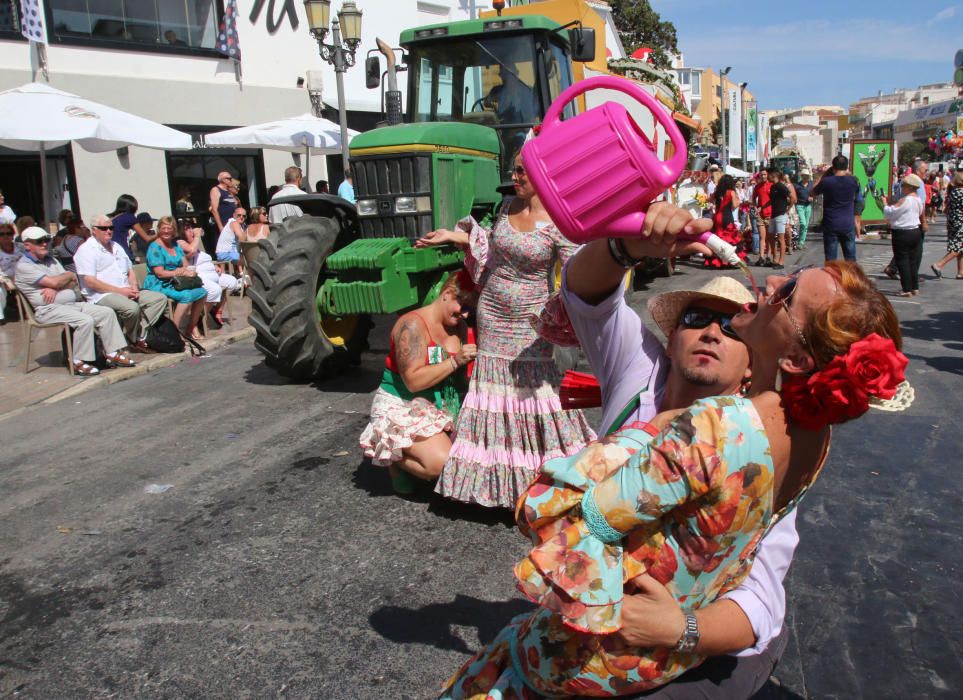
(819, 51)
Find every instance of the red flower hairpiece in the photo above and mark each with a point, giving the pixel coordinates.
(872, 369)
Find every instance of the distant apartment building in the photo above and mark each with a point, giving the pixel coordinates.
(702, 89)
(874, 117)
(817, 132)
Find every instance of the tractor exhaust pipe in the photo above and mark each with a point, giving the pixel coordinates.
(393, 94)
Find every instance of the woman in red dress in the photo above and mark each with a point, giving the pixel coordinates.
(724, 220)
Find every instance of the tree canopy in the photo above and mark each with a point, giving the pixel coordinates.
(639, 25)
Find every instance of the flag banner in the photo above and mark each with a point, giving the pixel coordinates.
(227, 41)
(762, 137)
(735, 123)
(33, 25)
(751, 126)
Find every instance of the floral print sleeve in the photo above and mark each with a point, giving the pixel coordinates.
(597, 519)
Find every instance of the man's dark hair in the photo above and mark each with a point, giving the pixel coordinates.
(347, 173)
(772, 169)
(321, 186)
(840, 163)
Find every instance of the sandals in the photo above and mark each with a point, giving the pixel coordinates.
(82, 369)
(119, 359)
(937, 271)
(904, 294)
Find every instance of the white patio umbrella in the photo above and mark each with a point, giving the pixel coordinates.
(736, 172)
(36, 116)
(306, 132)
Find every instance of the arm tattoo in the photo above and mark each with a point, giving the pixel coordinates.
(409, 346)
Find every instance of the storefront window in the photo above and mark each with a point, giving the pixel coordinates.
(147, 24)
(9, 17)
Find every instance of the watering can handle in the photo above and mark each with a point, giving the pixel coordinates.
(672, 168)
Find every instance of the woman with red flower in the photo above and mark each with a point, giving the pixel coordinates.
(686, 501)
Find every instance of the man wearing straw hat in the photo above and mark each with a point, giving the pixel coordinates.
(742, 632)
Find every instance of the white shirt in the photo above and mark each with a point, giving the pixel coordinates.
(279, 212)
(905, 214)
(109, 266)
(7, 216)
(227, 241)
(8, 261)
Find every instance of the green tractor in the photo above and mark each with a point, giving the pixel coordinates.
(475, 88)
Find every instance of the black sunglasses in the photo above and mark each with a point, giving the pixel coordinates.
(700, 318)
(102, 228)
(40, 241)
(518, 170)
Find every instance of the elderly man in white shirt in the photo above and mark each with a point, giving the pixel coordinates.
(107, 278)
(292, 186)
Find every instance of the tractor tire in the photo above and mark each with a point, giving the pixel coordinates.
(295, 338)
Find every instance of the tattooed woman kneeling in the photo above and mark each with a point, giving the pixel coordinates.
(425, 378)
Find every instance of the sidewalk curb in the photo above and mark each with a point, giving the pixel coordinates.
(149, 365)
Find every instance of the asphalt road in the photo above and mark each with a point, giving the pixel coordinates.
(279, 564)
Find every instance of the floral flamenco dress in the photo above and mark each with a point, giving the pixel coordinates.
(400, 416)
(688, 506)
(511, 420)
(725, 226)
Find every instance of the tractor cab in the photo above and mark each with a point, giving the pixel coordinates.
(504, 77)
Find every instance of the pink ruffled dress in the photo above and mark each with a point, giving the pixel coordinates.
(511, 421)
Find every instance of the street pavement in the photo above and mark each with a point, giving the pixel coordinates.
(279, 564)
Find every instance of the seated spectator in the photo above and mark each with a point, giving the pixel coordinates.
(63, 218)
(257, 224)
(7, 215)
(215, 280)
(23, 223)
(77, 233)
(233, 231)
(55, 298)
(124, 217)
(142, 235)
(107, 278)
(321, 187)
(10, 252)
(165, 261)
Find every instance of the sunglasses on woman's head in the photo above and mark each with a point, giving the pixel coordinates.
(784, 292)
(700, 318)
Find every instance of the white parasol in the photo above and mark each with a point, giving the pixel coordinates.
(36, 116)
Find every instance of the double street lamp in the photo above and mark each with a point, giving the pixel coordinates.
(339, 53)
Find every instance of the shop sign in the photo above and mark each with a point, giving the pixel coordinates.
(275, 18)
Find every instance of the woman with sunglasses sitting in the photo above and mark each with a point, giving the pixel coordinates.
(688, 499)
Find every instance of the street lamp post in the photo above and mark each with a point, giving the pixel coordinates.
(725, 108)
(339, 54)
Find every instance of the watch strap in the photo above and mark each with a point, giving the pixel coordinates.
(690, 636)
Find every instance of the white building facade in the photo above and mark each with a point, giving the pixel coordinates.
(157, 59)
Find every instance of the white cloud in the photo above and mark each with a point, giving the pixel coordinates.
(942, 15)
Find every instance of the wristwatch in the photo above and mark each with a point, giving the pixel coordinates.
(690, 635)
(620, 255)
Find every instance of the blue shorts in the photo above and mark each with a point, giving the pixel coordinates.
(228, 256)
(777, 224)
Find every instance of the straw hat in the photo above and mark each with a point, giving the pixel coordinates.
(912, 181)
(667, 308)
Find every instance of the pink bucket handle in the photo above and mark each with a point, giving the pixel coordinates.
(670, 169)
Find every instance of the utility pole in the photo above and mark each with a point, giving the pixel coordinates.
(725, 108)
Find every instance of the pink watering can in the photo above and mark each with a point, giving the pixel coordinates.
(597, 173)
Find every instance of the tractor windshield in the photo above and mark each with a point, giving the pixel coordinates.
(493, 81)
